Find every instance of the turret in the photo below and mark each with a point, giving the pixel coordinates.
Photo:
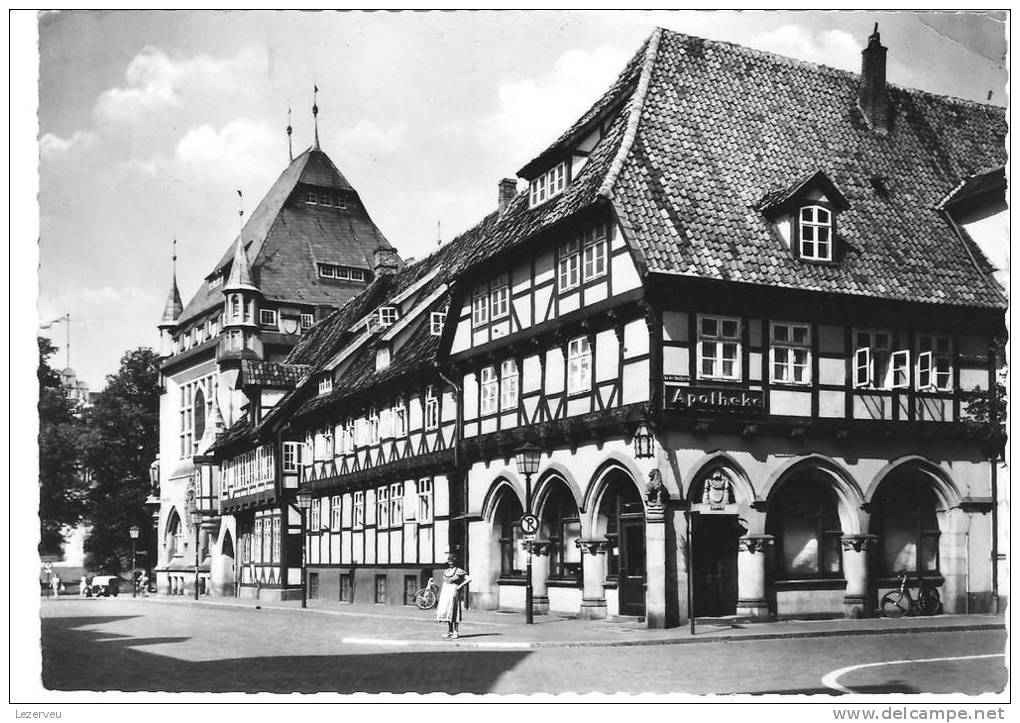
(240, 308)
(171, 313)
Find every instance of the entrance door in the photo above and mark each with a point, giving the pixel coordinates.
(632, 566)
(716, 538)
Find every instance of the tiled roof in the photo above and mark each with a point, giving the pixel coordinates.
(286, 238)
(721, 125)
(258, 373)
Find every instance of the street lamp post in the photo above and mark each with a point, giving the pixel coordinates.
(133, 531)
(527, 457)
(196, 520)
(304, 500)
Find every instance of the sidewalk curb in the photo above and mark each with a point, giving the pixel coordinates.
(705, 637)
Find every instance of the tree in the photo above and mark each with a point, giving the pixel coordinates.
(120, 442)
(61, 483)
(986, 410)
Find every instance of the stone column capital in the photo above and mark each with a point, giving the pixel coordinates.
(592, 547)
(536, 547)
(756, 543)
(858, 543)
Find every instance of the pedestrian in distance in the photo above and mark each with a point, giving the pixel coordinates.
(55, 584)
(83, 587)
(449, 610)
(143, 584)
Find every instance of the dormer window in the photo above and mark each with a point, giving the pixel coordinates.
(307, 320)
(549, 184)
(436, 323)
(311, 198)
(387, 316)
(216, 281)
(325, 383)
(814, 233)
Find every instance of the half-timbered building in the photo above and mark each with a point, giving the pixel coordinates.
(743, 258)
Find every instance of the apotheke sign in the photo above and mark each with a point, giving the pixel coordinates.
(735, 401)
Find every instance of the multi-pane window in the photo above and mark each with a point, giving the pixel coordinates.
(499, 298)
(400, 418)
(334, 514)
(358, 510)
(196, 400)
(373, 426)
(291, 457)
(311, 197)
(276, 541)
(347, 588)
(480, 307)
(346, 433)
(307, 320)
(387, 316)
(549, 184)
(807, 529)
(431, 408)
(257, 541)
(877, 364)
(325, 383)
(397, 504)
(315, 516)
(490, 390)
(815, 233)
(508, 385)
(267, 317)
(342, 273)
(382, 507)
(579, 365)
(934, 362)
(569, 265)
(423, 495)
(313, 586)
(594, 245)
(324, 514)
(380, 589)
(718, 348)
(436, 322)
(791, 353)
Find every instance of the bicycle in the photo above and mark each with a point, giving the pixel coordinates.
(900, 602)
(428, 596)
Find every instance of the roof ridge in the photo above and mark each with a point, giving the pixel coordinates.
(633, 121)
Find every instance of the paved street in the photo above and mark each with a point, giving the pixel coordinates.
(173, 646)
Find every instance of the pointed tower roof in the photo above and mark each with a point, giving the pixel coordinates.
(240, 272)
(173, 308)
(214, 427)
(287, 238)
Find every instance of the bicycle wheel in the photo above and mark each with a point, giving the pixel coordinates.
(929, 602)
(425, 599)
(896, 604)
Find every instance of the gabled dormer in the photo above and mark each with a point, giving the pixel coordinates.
(805, 215)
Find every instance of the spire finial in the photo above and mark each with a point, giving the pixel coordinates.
(174, 258)
(290, 130)
(315, 113)
(439, 232)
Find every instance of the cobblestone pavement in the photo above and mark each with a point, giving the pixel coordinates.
(154, 645)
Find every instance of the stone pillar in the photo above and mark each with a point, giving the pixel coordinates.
(655, 565)
(751, 598)
(858, 602)
(593, 598)
(539, 576)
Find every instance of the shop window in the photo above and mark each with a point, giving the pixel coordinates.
(804, 520)
(380, 589)
(905, 520)
(508, 534)
(346, 587)
(410, 588)
(313, 586)
(563, 528)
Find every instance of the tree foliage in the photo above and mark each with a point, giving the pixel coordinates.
(120, 442)
(62, 488)
(987, 409)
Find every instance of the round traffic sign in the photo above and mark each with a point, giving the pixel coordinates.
(529, 524)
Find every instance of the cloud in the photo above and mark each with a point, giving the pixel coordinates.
(367, 136)
(533, 112)
(155, 81)
(835, 48)
(52, 146)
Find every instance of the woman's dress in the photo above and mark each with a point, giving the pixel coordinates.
(448, 609)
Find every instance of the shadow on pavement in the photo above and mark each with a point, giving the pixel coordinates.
(70, 662)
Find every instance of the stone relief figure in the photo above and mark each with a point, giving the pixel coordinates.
(718, 490)
(655, 490)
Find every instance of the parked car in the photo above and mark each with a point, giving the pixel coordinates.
(105, 586)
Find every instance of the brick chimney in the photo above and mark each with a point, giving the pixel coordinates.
(385, 261)
(507, 191)
(872, 95)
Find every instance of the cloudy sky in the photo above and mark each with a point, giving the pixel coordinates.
(149, 121)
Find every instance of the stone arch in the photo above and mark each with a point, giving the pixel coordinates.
(552, 474)
(945, 489)
(615, 462)
(504, 481)
(173, 521)
(743, 489)
(848, 492)
(227, 546)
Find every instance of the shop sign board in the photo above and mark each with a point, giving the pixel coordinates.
(714, 399)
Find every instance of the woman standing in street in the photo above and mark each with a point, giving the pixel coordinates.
(449, 608)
